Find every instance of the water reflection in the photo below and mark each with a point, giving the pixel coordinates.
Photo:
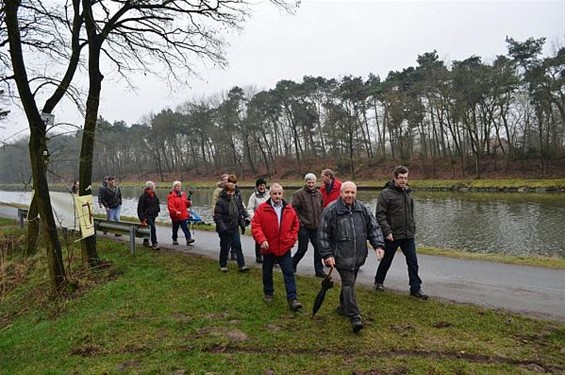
(511, 223)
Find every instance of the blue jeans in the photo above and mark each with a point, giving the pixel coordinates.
(230, 239)
(408, 247)
(184, 226)
(305, 235)
(285, 262)
(113, 214)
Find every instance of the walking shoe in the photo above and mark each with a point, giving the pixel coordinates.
(155, 246)
(419, 295)
(175, 242)
(268, 298)
(356, 324)
(294, 305)
(379, 287)
(244, 269)
(224, 269)
(146, 244)
(189, 241)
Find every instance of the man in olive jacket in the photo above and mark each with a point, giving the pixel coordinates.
(307, 202)
(346, 226)
(395, 214)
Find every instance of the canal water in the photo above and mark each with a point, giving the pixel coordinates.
(508, 223)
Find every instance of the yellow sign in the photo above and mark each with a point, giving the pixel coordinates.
(84, 210)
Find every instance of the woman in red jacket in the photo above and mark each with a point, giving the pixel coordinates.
(178, 204)
(275, 227)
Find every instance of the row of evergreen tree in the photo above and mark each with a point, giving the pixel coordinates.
(469, 112)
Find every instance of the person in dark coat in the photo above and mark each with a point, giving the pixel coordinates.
(111, 199)
(148, 209)
(229, 216)
(307, 202)
(346, 226)
(395, 215)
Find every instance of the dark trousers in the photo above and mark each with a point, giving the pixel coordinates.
(408, 247)
(347, 300)
(305, 235)
(285, 262)
(152, 229)
(230, 239)
(183, 224)
(258, 251)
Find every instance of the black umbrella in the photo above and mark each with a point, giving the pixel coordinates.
(327, 283)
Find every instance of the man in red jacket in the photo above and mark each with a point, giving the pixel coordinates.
(330, 188)
(275, 227)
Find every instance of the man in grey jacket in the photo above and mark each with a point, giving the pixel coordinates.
(307, 202)
(346, 226)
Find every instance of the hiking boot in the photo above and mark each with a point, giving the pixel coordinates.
(294, 305)
(268, 298)
(175, 242)
(244, 269)
(379, 287)
(189, 241)
(356, 324)
(156, 246)
(419, 295)
(224, 269)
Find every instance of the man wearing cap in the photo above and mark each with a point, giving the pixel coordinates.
(260, 195)
(111, 199)
(307, 202)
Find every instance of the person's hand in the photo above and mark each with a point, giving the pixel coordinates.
(265, 246)
(380, 253)
(242, 229)
(389, 237)
(143, 223)
(330, 262)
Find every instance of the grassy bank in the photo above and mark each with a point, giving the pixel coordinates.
(175, 313)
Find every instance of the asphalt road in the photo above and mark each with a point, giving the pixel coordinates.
(534, 291)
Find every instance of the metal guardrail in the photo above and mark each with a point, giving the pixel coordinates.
(118, 227)
(123, 227)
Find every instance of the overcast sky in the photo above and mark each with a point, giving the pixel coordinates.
(334, 39)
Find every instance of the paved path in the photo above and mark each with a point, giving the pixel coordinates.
(534, 291)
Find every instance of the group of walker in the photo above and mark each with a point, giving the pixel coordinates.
(148, 208)
(330, 217)
(336, 224)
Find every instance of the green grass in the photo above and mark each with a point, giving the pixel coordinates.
(175, 313)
